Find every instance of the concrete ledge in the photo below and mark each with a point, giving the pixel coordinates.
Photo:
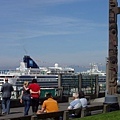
(16, 102)
(63, 113)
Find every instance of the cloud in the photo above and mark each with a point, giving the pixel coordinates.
(54, 2)
(13, 4)
(50, 25)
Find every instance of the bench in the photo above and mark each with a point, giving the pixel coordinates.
(93, 108)
(90, 110)
(65, 113)
(28, 117)
(54, 115)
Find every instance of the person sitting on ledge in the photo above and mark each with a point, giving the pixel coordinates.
(49, 105)
(74, 105)
(76, 102)
(83, 100)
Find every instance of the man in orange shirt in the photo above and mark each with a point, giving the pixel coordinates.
(49, 105)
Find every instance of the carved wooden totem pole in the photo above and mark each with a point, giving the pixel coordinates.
(112, 74)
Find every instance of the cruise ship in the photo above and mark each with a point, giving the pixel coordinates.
(47, 77)
(95, 71)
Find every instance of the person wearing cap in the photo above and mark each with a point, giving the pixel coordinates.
(76, 102)
(6, 90)
(49, 105)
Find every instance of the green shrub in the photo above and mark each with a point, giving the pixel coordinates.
(104, 116)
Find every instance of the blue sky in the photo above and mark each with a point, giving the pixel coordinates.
(67, 32)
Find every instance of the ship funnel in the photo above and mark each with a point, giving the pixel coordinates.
(29, 62)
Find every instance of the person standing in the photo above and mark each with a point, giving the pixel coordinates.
(25, 97)
(6, 90)
(35, 94)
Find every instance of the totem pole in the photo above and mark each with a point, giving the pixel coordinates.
(112, 74)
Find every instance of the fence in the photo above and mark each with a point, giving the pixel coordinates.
(67, 84)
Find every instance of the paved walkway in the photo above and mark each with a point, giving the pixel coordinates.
(17, 112)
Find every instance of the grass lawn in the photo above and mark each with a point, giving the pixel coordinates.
(115, 115)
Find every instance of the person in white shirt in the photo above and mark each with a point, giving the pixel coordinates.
(74, 105)
(76, 102)
(83, 100)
